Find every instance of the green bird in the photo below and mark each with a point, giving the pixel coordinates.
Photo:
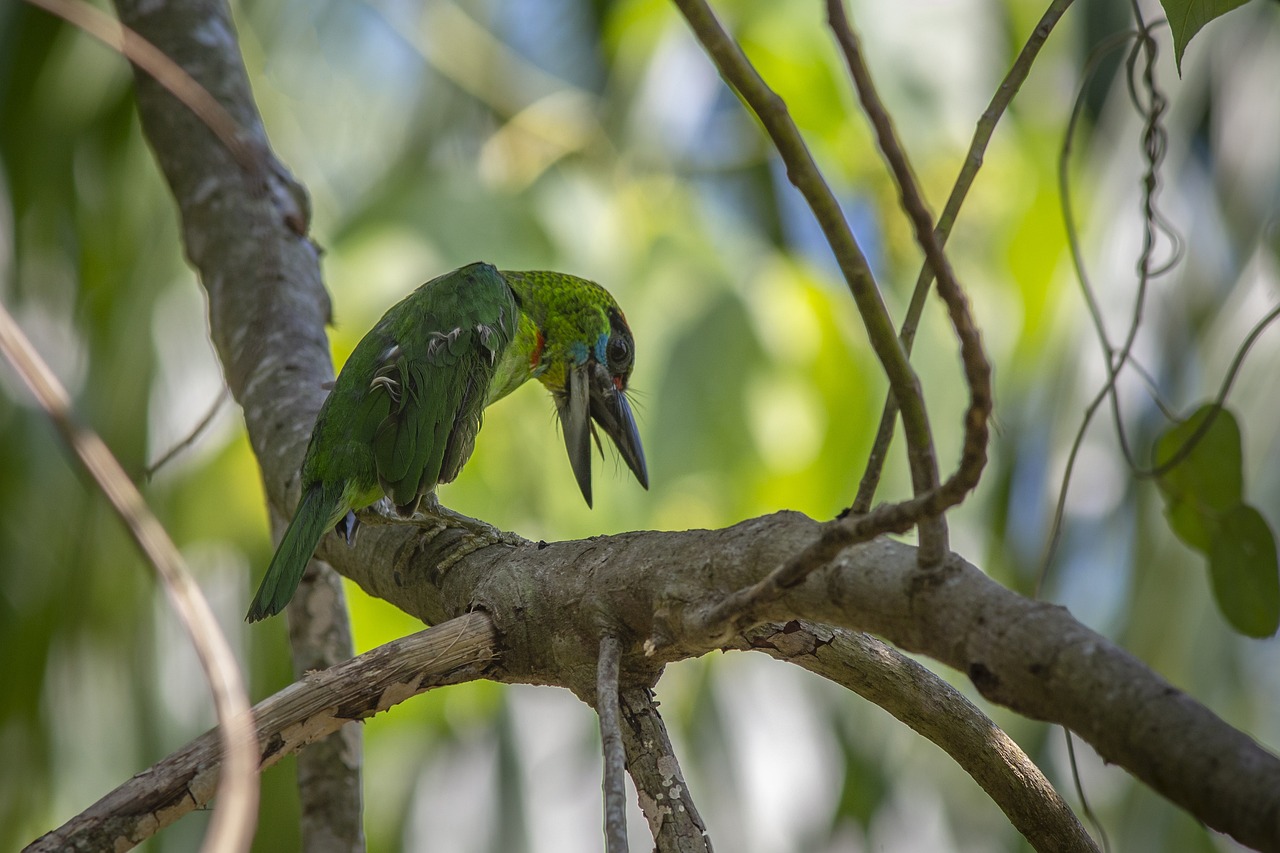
(404, 412)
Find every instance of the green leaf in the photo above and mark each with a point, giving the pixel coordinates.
(1187, 17)
(1195, 528)
(1245, 576)
(1209, 478)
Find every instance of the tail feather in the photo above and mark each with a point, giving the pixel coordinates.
(320, 506)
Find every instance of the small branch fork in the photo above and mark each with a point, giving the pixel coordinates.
(931, 498)
(982, 134)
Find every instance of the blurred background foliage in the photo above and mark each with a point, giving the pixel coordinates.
(594, 137)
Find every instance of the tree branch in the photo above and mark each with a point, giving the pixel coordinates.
(232, 826)
(306, 711)
(665, 798)
(977, 371)
(1030, 656)
(982, 134)
(615, 786)
(925, 510)
(881, 674)
(803, 172)
(244, 221)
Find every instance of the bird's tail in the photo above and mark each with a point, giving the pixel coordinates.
(315, 514)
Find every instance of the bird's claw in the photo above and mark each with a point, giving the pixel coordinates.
(347, 527)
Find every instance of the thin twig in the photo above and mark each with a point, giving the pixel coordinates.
(1073, 242)
(933, 536)
(1201, 430)
(1154, 145)
(737, 611)
(803, 172)
(1084, 801)
(615, 758)
(1154, 139)
(982, 134)
(233, 823)
(1224, 389)
(190, 438)
(1153, 388)
(1060, 508)
(1153, 150)
(164, 70)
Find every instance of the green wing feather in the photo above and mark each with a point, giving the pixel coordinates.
(444, 347)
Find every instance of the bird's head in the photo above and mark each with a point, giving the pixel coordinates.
(583, 353)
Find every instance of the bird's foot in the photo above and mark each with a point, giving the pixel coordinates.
(474, 533)
(347, 527)
(452, 535)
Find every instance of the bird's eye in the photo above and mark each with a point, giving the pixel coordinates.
(619, 354)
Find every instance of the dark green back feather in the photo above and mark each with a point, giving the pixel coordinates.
(438, 351)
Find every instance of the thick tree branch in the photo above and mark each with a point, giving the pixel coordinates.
(244, 223)
(665, 798)
(1030, 656)
(869, 667)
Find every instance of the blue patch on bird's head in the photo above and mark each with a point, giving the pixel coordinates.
(578, 352)
(602, 343)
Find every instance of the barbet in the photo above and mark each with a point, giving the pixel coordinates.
(404, 412)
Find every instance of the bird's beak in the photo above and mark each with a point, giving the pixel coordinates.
(591, 395)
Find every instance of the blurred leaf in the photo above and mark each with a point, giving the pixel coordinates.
(1193, 527)
(1242, 566)
(1187, 17)
(865, 787)
(1207, 481)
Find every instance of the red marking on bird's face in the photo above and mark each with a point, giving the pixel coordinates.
(536, 356)
(620, 382)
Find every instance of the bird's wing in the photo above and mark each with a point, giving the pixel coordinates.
(448, 338)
